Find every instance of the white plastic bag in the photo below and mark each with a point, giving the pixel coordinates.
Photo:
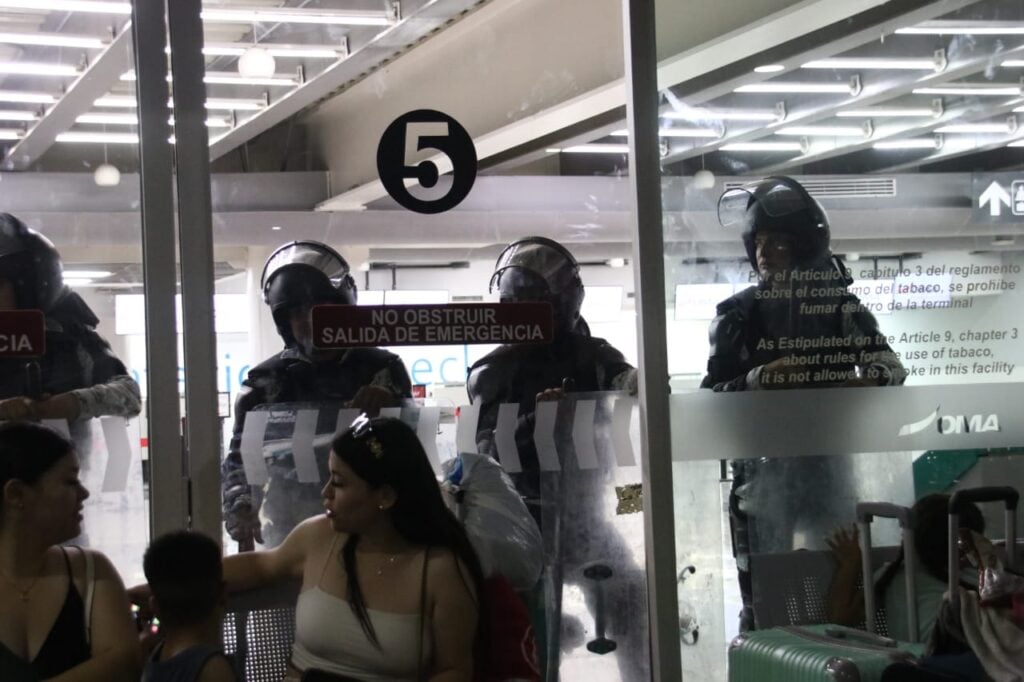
(505, 536)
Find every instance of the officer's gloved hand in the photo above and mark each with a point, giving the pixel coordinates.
(568, 386)
(243, 525)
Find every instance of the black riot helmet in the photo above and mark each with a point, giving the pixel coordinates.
(304, 273)
(778, 205)
(29, 261)
(541, 269)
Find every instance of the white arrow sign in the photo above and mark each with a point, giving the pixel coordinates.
(995, 196)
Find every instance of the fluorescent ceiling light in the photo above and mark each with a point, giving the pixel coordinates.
(976, 128)
(26, 97)
(869, 63)
(918, 143)
(1013, 63)
(216, 78)
(77, 281)
(86, 274)
(888, 112)
(947, 28)
(296, 16)
(17, 116)
(831, 131)
(6, 134)
(293, 51)
(52, 40)
(68, 6)
(221, 104)
(102, 138)
(990, 90)
(677, 132)
(792, 87)
(734, 115)
(596, 149)
(1016, 143)
(132, 120)
(762, 147)
(34, 69)
(769, 68)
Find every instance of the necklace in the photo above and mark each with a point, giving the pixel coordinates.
(22, 593)
(390, 561)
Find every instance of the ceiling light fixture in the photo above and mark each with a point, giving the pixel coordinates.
(88, 274)
(829, 131)
(891, 112)
(853, 87)
(220, 78)
(7, 134)
(35, 69)
(677, 132)
(222, 104)
(100, 138)
(77, 281)
(288, 51)
(763, 147)
(132, 120)
(975, 128)
(916, 143)
(256, 62)
(769, 68)
(979, 90)
(597, 149)
(293, 16)
(616, 262)
(1013, 63)
(26, 97)
(17, 116)
(1016, 143)
(87, 6)
(52, 40)
(735, 115)
(873, 63)
(947, 28)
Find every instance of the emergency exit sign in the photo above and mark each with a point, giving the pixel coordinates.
(350, 326)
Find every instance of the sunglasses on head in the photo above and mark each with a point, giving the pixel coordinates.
(362, 428)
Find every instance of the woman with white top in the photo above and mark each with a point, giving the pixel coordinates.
(390, 582)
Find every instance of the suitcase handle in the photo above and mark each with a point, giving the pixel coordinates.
(1006, 494)
(867, 511)
(859, 636)
(957, 502)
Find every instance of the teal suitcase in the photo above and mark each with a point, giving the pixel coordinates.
(815, 653)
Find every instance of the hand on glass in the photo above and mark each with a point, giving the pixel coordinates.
(845, 545)
(18, 409)
(782, 373)
(556, 393)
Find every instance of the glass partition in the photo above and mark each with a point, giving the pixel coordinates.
(349, 129)
(71, 235)
(843, 270)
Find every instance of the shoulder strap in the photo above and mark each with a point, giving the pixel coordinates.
(423, 617)
(90, 589)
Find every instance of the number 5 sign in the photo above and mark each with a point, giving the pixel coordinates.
(419, 146)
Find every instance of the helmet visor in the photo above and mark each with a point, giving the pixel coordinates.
(325, 260)
(547, 262)
(776, 198)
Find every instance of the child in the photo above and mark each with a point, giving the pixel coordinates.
(186, 578)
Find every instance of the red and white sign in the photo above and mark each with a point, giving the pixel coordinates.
(348, 326)
(22, 334)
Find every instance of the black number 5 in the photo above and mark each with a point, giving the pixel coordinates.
(406, 140)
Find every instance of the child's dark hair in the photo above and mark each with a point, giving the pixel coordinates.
(389, 453)
(27, 451)
(931, 537)
(184, 572)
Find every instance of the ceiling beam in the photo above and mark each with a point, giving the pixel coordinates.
(97, 80)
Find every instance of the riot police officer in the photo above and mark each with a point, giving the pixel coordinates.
(297, 276)
(78, 377)
(801, 295)
(540, 269)
(568, 505)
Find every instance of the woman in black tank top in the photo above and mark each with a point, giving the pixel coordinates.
(64, 608)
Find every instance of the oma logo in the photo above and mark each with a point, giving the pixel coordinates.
(953, 423)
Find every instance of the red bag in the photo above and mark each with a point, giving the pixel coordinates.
(511, 646)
